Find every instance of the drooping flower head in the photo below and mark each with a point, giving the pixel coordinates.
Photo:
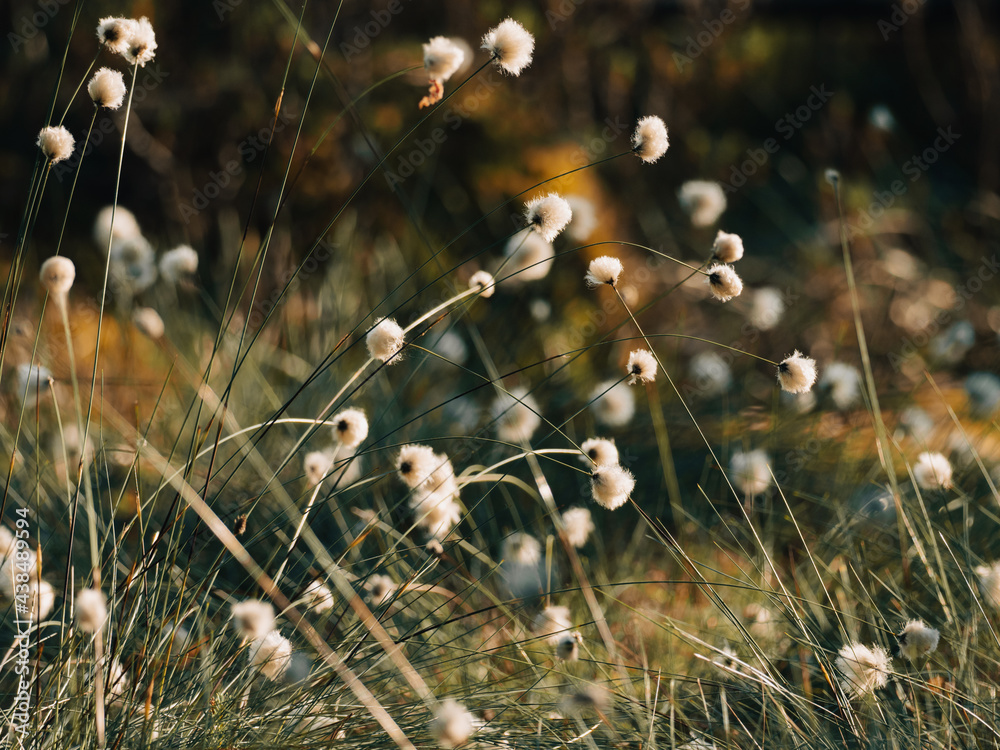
(603, 270)
(933, 471)
(650, 141)
(797, 373)
(611, 486)
(703, 201)
(511, 46)
(56, 143)
(728, 248)
(350, 427)
(723, 282)
(641, 367)
(865, 669)
(115, 34)
(917, 640)
(107, 88)
(142, 44)
(548, 215)
(385, 340)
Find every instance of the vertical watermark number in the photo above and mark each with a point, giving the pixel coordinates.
(22, 571)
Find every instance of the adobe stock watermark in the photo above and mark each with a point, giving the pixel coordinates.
(988, 269)
(249, 148)
(31, 26)
(457, 113)
(901, 13)
(152, 77)
(785, 127)
(714, 28)
(599, 144)
(915, 167)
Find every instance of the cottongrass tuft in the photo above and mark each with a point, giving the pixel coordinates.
(603, 270)
(91, 610)
(56, 143)
(797, 373)
(728, 248)
(179, 263)
(316, 465)
(650, 140)
(142, 44)
(385, 340)
(724, 283)
(916, 640)
(271, 654)
(750, 471)
(511, 46)
(612, 404)
(452, 724)
(57, 275)
(522, 549)
(548, 215)
(434, 502)
(254, 619)
(611, 486)
(529, 258)
(107, 88)
(442, 58)
(711, 373)
(568, 646)
(599, 452)
(933, 471)
(126, 226)
(149, 322)
(843, 381)
(989, 583)
(318, 597)
(380, 588)
(416, 464)
(115, 34)
(133, 265)
(578, 525)
(552, 622)
(350, 427)
(483, 282)
(41, 600)
(641, 367)
(515, 415)
(865, 669)
(767, 306)
(703, 201)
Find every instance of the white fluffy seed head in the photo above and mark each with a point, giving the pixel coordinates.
(613, 404)
(317, 464)
(522, 549)
(989, 583)
(271, 654)
(147, 320)
(142, 44)
(115, 34)
(530, 258)
(442, 57)
(435, 501)
(57, 275)
(584, 220)
(728, 248)
(797, 373)
(91, 610)
(452, 724)
(254, 619)
(641, 367)
(703, 201)
(515, 415)
(385, 340)
(41, 599)
(483, 281)
(603, 270)
(179, 263)
(107, 88)
(750, 471)
(380, 588)
(416, 464)
(56, 143)
(611, 486)
(318, 597)
(917, 640)
(865, 669)
(843, 381)
(126, 226)
(548, 215)
(599, 452)
(133, 265)
(568, 646)
(723, 282)
(578, 525)
(552, 621)
(350, 427)
(511, 46)
(711, 373)
(932, 471)
(767, 306)
(650, 141)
